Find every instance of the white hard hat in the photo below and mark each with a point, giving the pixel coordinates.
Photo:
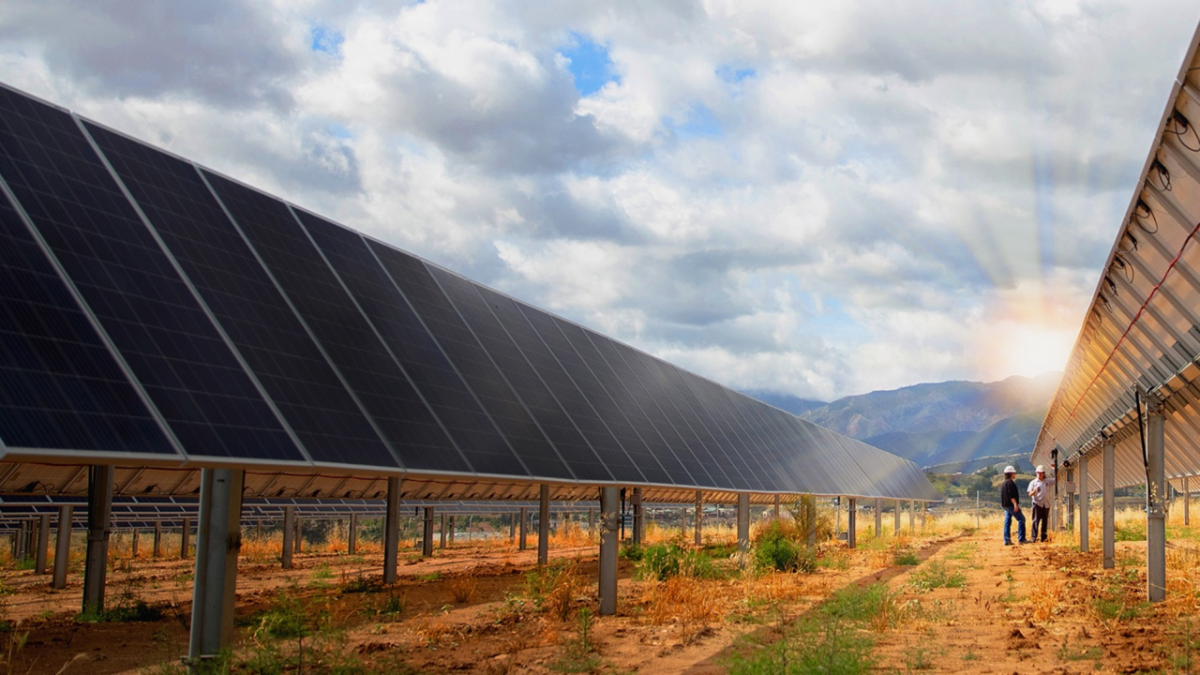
(1009, 469)
(1041, 469)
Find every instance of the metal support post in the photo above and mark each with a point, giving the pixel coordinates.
(289, 531)
(1187, 503)
(743, 521)
(837, 518)
(810, 508)
(157, 539)
(610, 497)
(543, 525)
(100, 493)
(896, 516)
(912, 516)
(878, 518)
(391, 530)
(43, 544)
(185, 538)
(450, 534)
(512, 527)
(62, 550)
(852, 523)
(133, 545)
(427, 533)
(699, 516)
(351, 534)
(639, 517)
(299, 538)
(777, 512)
(218, 540)
(1156, 494)
(522, 527)
(258, 529)
(591, 522)
(1070, 499)
(1109, 504)
(924, 514)
(1084, 503)
(442, 532)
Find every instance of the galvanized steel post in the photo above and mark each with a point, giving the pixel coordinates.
(1156, 514)
(852, 523)
(896, 516)
(391, 530)
(1187, 502)
(609, 523)
(878, 518)
(185, 538)
(1109, 462)
(62, 550)
(543, 525)
(352, 533)
(743, 521)
(699, 515)
(427, 533)
(157, 550)
(43, 544)
(639, 517)
(289, 531)
(1084, 504)
(100, 494)
(522, 527)
(218, 540)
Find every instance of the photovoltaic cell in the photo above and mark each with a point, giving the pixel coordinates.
(562, 386)
(489, 384)
(62, 387)
(403, 332)
(525, 381)
(553, 332)
(129, 284)
(410, 276)
(323, 305)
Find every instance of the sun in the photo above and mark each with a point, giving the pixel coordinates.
(1033, 350)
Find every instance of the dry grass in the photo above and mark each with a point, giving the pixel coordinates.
(462, 589)
(687, 603)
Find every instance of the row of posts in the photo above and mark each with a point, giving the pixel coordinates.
(218, 540)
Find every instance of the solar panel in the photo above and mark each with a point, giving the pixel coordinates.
(520, 375)
(496, 400)
(62, 387)
(561, 384)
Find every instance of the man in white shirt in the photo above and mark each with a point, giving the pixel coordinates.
(1039, 490)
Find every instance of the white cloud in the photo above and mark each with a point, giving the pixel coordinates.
(884, 193)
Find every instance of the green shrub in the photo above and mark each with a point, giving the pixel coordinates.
(936, 574)
(776, 551)
(907, 558)
(662, 561)
(631, 552)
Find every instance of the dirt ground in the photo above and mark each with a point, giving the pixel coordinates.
(1043, 608)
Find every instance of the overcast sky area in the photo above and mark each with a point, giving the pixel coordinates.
(813, 198)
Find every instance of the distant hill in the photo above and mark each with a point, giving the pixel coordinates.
(786, 402)
(947, 422)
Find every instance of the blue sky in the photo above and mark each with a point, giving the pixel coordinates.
(818, 199)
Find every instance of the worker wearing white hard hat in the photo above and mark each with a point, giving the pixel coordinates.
(1010, 499)
(1039, 491)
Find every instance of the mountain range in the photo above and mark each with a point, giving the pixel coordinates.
(948, 425)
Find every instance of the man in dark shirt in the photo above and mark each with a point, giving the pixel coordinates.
(1010, 499)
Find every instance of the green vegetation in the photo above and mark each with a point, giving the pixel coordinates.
(776, 551)
(906, 557)
(964, 485)
(663, 561)
(835, 640)
(579, 654)
(936, 574)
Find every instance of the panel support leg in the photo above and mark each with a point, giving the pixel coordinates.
(391, 530)
(299, 538)
(777, 510)
(639, 517)
(442, 532)
(62, 551)
(185, 538)
(810, 508)
(699, 516)
(852, 523)
(43, 544)
(878, 518)
(743, 521)
(512, 527)
(543, 525)
(1187, 503)
(289, 532)
(1156, 532)
(351, 534)
(450, 533)
(427, 533)
(899, 506)
(591, 522)
(522, 529)
(610, 498)
(100, 493)
(912, 516)
(218, 540)
(924, 514)
(157, 539)
(1084, 504)
(1109, 505)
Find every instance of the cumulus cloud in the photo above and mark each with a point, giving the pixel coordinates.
(813, 198)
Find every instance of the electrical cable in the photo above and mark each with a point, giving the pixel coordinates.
(1137, 218)
(1126, 268)
(1137, 398)
(1163, 175)
(1138, 315)
(1178, 118)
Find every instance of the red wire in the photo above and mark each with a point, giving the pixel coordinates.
(1136, 317)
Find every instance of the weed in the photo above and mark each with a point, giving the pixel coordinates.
(906, 558)
(579, 654)
(971, 656)
(662, 561)
(553, 588)
(1066, 653)
(462, 589)
(826, 646)
(936, 574)
(389, 607)
(834, 559)
(918, 658)
(432, 576)
(359, 584)
(875, 605)
(631, 552)
(774, 550)
(685, 602)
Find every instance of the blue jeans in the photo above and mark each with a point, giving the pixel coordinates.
(1008, 518)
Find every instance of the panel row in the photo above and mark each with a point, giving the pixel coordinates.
(154, 307)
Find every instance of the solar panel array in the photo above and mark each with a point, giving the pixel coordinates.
(155, 311)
